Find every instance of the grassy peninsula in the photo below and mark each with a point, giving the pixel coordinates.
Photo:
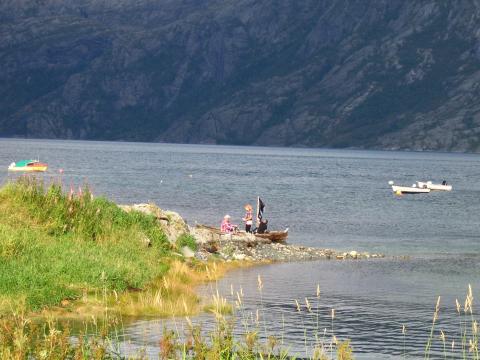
(61, 250)
(67, 254)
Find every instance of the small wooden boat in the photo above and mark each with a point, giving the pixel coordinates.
(270, 236)
(434, 187)
(274, 236)
(28, 166)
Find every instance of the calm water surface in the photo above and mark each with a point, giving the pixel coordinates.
(328, 198)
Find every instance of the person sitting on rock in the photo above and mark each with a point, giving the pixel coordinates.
(248, 218)
(262, 227)
(226, 226)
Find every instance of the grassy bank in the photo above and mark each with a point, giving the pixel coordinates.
(59, 246)
(67, 253)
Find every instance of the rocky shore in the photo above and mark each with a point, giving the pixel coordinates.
(235, 247)
(281, 252)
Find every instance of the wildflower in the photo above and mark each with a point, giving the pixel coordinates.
(71, 193)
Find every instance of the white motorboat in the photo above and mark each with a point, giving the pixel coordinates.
(414, 189)
(434, 187)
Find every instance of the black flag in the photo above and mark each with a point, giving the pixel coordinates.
(260, 208)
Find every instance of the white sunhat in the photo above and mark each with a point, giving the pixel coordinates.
(226, 216)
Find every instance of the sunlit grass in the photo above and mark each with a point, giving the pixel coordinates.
(56, 246)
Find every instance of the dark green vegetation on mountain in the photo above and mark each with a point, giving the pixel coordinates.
(388, 74)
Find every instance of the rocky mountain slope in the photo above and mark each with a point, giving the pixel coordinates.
(389, 74)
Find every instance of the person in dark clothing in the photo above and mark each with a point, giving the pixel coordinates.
(262, 227)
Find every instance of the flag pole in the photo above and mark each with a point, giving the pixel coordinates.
(258, 210)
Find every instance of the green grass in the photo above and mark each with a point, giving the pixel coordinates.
(187, 240)
(56, 246)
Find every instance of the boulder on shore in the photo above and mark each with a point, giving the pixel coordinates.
(171, 222)
(187, 252)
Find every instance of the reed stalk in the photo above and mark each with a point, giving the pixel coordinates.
(432, 328)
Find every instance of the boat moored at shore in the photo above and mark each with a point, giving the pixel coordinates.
(270, 236)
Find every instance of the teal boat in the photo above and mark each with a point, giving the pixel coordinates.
(28, 165)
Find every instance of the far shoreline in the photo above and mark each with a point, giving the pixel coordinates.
(248, 146)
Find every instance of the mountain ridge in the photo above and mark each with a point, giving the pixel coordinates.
(383, 75)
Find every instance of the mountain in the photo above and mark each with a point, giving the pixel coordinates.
(390, 74)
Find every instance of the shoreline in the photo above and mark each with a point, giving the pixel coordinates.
(230, 247)
(127, 260)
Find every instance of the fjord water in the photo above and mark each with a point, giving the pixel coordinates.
(328, 198)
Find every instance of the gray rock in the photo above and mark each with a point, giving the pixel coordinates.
(187, 252)
(237, 256)
(171, 222)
